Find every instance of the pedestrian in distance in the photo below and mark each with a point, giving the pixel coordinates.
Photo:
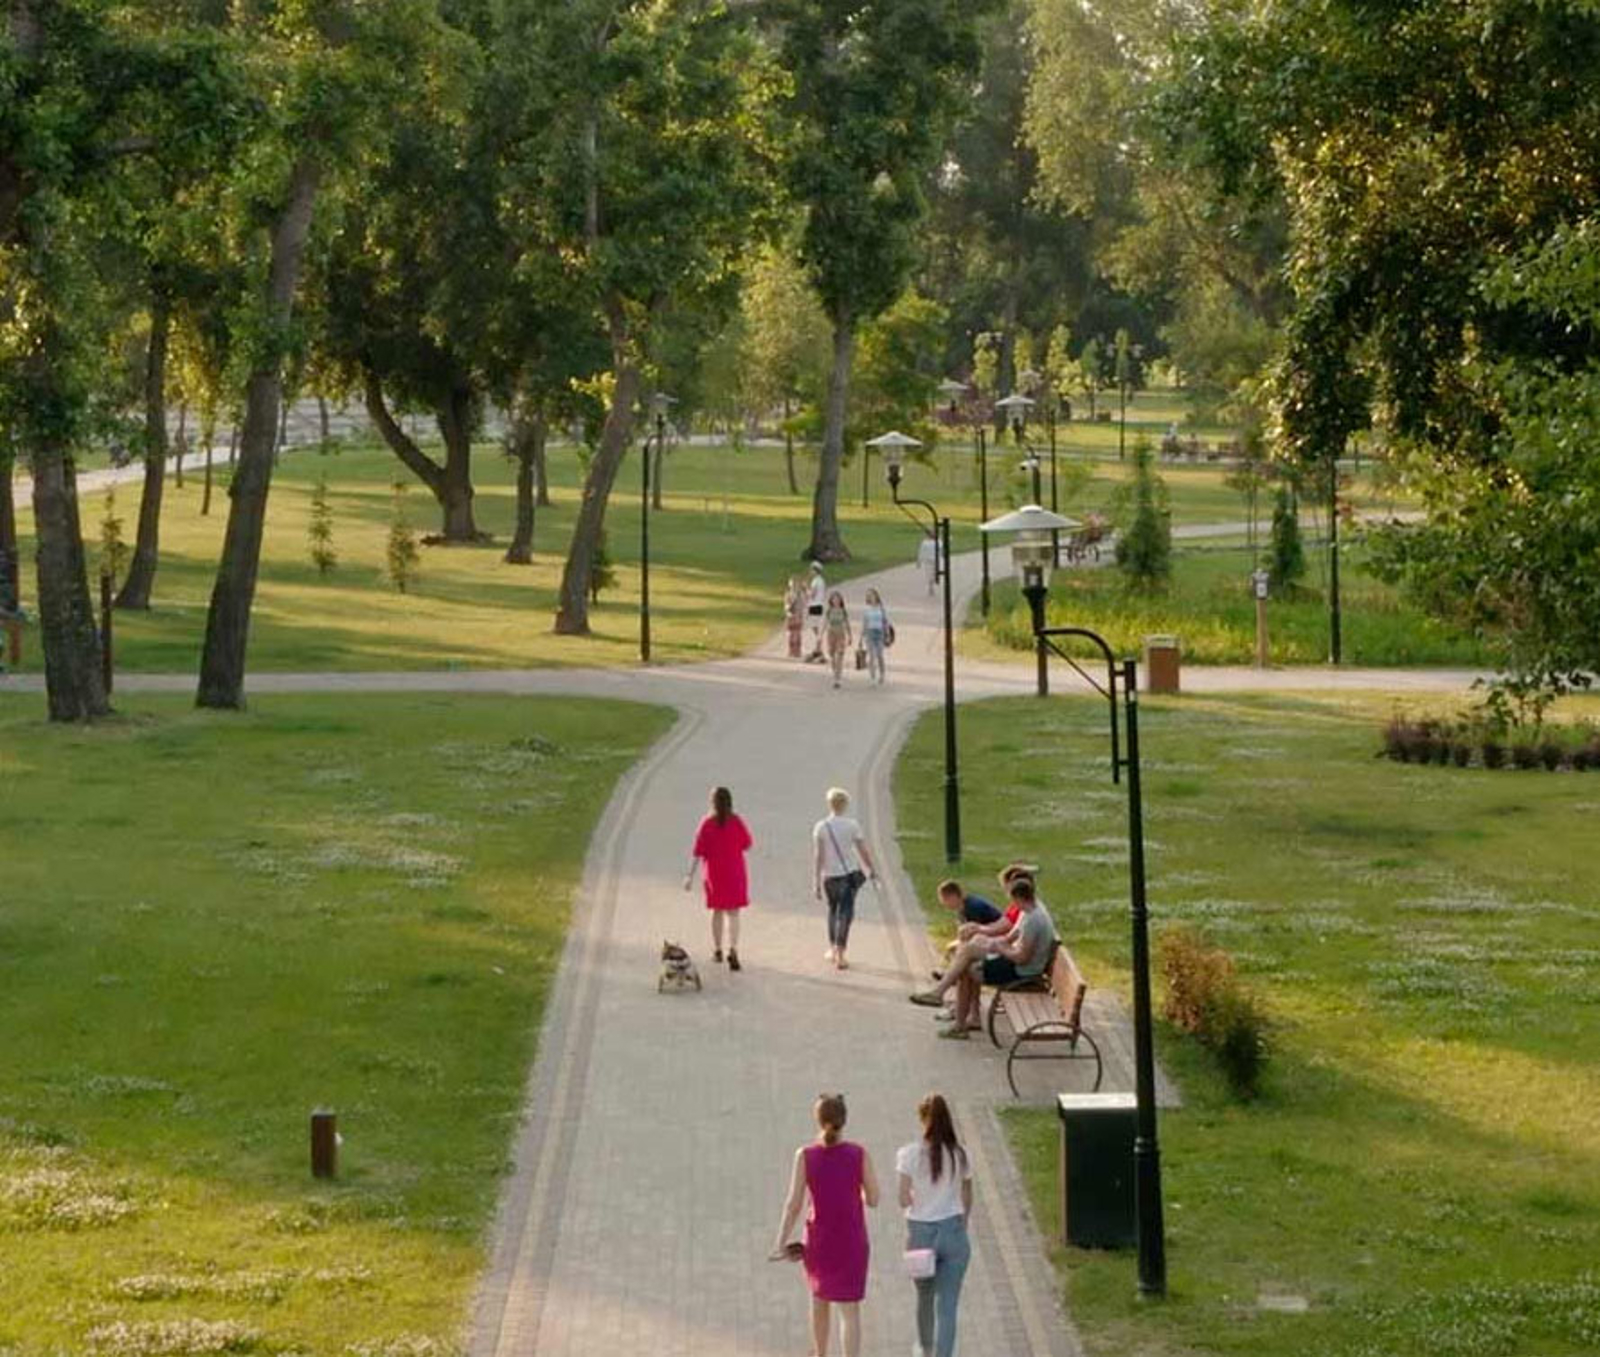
(875, 633)
(721, 843)
(837, 1176)
(794, 614)
(836, 624)
(816, 605)
(935, 1182)
(839, 849)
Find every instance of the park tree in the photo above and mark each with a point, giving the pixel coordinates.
(416, 270)
(643, 136)
(324, 76)
(1144, 542)
(784, 348)
(1416, 147)
(1003, 258)
(874, 90)
(89, 89)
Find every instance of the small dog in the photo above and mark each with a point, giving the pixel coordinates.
(677, 970)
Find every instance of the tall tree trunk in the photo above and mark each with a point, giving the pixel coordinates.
(451, 484)
(541, 467)
(788, 449)
(10, 566)
(282, 439)
(528, 433)
(322, 420)
(1005, 374)
(222, 662)
(233, 442)
(180, 444)
(208, 436)
(826, 544)
(141, 579)
(572, 617)
(74, 683)
(455, 424)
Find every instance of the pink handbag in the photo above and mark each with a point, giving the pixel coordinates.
(920, 1264)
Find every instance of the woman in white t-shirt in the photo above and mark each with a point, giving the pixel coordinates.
(838, 852)
(936, 1192)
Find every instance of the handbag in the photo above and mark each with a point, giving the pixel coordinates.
(888, 634)
(861, 657)
(920, 1264)
(856, 877)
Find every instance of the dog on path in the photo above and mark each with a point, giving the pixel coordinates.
(678, 972)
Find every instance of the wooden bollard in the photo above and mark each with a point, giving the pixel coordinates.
(324, 1144)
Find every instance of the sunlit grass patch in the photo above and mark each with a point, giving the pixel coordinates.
(211, 925)
(1421, 1173)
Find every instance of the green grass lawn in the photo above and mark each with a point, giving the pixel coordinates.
(1210, 608)
(210, 926)
(1423, 1167)
(728, 538)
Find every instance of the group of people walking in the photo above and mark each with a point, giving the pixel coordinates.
(809, 602)
(934, 1188)
(833, 1175)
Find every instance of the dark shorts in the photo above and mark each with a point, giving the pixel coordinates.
(815, 610)
(1002, 970)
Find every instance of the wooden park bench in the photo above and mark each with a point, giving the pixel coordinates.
(1046, 1010)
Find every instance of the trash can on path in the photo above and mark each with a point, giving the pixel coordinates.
(1097, 1206)
(1161, 664)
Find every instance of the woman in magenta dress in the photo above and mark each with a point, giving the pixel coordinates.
(721, 843)
(837, 1175)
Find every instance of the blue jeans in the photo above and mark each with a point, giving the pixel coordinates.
(841, 895)
(872, 642)
(938, 1295)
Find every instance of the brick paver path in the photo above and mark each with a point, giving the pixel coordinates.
(659, 1129)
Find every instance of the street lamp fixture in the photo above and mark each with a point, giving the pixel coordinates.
(660, 406)
(1016, 408)
(894, 445)
(1031, 553)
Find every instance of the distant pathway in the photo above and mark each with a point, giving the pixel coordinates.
(658, 1131)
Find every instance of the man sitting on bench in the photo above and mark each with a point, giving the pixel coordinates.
(972, 913)
(1022, 954)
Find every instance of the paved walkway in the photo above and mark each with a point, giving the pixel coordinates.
(659, 1129)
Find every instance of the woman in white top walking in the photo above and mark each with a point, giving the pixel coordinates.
(838, 850)
(874, 634)
(936, 1192)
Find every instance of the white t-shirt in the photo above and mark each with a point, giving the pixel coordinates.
(838, 835)
(932, 1200)
(819, 589)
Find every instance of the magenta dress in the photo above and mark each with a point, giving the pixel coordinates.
(722, 849)
(836, 1229)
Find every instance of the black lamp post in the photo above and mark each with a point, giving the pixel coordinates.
(659, 404)
(894, 445)
(1031, 551)
(954, 391)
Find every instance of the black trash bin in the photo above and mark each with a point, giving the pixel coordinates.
(1096, 1171)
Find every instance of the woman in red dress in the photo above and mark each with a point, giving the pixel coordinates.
(837, 1176)
(721, 843)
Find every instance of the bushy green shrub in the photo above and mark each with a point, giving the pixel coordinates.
(1205, 998)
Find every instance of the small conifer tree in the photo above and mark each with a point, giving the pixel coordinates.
(1144, 549)
(1288, 558)
(319, 532)
(113, 549)
(403, 555)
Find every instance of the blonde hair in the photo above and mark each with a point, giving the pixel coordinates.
(838, 798)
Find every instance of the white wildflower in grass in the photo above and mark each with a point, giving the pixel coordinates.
(49, 1189)
(404, 1345)
(172, 1338)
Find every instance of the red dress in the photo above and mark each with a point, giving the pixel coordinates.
(837, 1250)
(722, 848)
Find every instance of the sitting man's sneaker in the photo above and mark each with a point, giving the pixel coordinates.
(928, 999)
